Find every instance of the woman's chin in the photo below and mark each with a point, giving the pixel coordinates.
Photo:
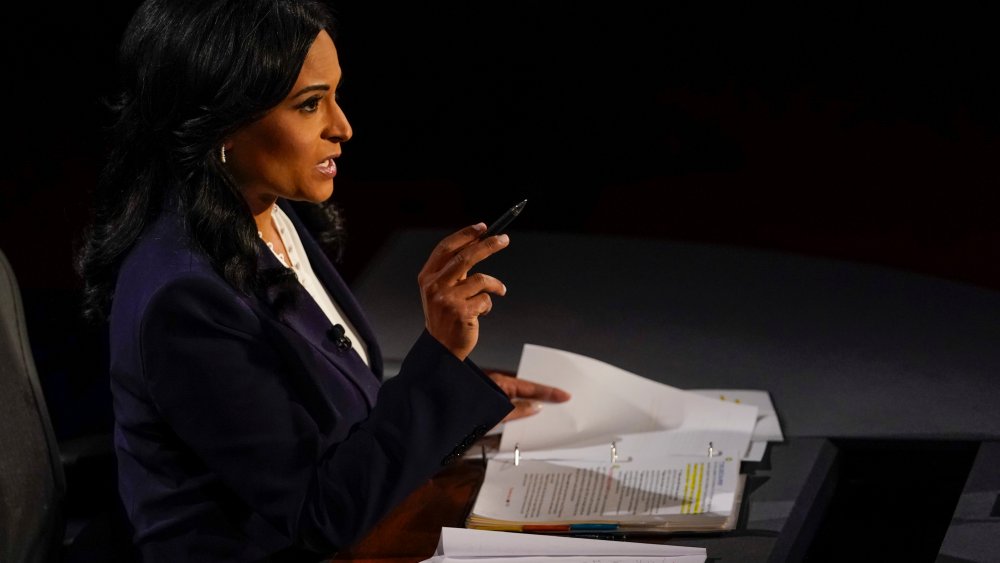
(318, 194)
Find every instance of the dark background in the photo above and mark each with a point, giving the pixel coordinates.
(838, 129)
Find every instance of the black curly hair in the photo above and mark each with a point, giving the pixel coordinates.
(192, 73)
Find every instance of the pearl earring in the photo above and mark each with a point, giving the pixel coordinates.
(223, 154)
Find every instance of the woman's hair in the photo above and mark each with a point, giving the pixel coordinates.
(192, 73)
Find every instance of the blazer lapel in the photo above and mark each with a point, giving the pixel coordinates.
(305, 317)
(337, 287)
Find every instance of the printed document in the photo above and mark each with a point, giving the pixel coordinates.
(481, 546)
(638, 492)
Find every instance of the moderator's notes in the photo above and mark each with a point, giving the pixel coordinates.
(479, 546)
(631, 494)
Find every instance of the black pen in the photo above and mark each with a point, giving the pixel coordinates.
(498, 226)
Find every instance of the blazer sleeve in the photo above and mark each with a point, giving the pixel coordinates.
(226, 394)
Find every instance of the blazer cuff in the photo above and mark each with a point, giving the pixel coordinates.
(473, 397)
(427, 340)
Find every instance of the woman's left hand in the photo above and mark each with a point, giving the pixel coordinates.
(527, 396)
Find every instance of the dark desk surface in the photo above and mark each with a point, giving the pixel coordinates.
(846, 350)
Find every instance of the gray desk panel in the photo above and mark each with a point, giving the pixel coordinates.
(974, 534)
(845, 349)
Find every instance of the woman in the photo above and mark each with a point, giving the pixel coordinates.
(251, 422)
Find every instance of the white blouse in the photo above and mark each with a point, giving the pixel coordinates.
(299, 263)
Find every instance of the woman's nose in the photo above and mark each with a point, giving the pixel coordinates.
(339, 129)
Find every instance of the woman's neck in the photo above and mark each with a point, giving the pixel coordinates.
(261, 209)
(269, 232)
(262, 217)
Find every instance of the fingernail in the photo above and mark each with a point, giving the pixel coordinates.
(479, 226)
(535, 406)
(504, 288)
(504, 239)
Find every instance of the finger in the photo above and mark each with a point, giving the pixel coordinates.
(505, 382)
(451, 244)
(463, 260)
(525, 389)
(481, 305)
(522, 409)
(471, 309)
(480, 283)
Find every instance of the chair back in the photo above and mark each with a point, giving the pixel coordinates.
(32, 483)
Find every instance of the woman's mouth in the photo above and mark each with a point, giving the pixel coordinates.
(328, 167)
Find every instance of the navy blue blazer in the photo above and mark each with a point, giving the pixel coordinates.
(242, 436)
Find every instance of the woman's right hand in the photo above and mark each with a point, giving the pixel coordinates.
(453, 301)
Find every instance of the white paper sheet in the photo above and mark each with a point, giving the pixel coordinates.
(756, 451)
(609, 402)
(767, 429)
(481, 545)
(573, 559)
(659, 445)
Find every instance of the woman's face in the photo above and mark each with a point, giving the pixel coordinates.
(289, 152)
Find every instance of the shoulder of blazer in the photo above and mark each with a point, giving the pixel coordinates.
(163, 258)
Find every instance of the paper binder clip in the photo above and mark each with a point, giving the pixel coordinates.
(517, 455)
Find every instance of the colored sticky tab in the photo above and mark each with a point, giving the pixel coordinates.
(545, 528)
(593, 527)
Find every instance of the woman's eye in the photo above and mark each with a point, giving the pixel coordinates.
(310, 105)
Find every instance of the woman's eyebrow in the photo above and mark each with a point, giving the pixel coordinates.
(324, 87)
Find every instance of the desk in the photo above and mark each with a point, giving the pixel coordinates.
(846, 350)
(974, 534)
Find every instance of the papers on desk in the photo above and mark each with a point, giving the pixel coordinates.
(609, 402)
(626, 453)
(767, 429)
(479, 546)
(575, 496)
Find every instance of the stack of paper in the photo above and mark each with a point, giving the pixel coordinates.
(609, 403)
(625, 453)
(460, 545)
(578, 496)
(767, 429)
